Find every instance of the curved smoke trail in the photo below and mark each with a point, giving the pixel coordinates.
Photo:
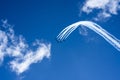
(93, 26)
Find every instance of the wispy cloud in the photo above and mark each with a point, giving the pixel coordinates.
(106, 8)
(93, 26)
(83, 31)
(21, 64)
(22, 53)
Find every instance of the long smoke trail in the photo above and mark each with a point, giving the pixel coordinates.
(93, 26)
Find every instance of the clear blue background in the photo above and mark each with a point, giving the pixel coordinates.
(78, 58)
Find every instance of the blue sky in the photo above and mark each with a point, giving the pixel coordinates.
(79, 57)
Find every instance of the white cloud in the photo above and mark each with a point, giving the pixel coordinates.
(21, 64)
(16, 47)
(107, 7)
(83, 31)
(3, 45)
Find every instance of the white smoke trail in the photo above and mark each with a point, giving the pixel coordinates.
(93, 26)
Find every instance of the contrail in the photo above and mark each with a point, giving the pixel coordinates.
(93, 26)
